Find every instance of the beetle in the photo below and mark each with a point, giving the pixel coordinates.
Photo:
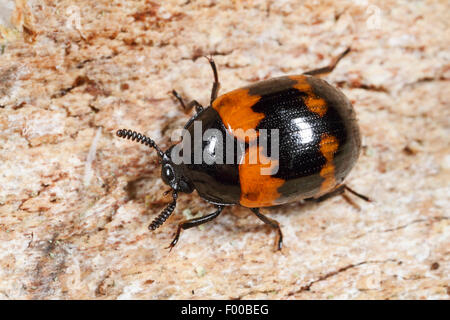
(318, 137)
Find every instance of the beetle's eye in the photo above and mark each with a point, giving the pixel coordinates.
(168, 171)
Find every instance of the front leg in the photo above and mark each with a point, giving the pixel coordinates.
(186, 224)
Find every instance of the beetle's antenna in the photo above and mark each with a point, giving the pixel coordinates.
(165, 214)
(133, 135)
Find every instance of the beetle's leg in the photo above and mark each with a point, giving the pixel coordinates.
(190, 105)
(273, 223)
(186, 224)
(329, 68)
(359, 195)
(339, 191)
(216, 84)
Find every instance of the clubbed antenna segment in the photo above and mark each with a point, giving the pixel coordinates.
(165, 214)
(134, 136)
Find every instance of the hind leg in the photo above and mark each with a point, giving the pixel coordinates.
(359, 195)
(329, 68)
(339, 191)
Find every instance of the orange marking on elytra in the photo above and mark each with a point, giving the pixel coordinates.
(235, 110)
(258, 190)
(328, 147)
(313, 103)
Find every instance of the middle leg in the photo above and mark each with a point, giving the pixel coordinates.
(271, 222)
(190, 105)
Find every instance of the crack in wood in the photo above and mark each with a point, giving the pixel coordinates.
(308, 286)
(434, 219)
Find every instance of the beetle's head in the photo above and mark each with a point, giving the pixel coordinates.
(171, 173)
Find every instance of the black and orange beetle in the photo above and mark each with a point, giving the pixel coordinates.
(319, 143)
